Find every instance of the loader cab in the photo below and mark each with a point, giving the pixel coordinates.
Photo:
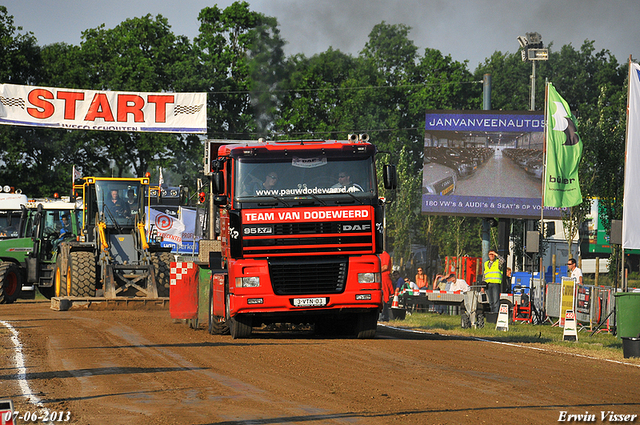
(117, 203)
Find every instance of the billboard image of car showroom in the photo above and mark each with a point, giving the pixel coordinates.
(484, 164)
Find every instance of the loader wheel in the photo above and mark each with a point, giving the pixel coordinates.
(10, 282)
(60, 281)
(240, 325)
(162, 269)
(81, 274)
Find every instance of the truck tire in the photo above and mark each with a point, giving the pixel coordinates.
(10, 282)
(217, 324)
(59, 280)
(81, 274)
(162, 269)
(366, 325)
(240, 326)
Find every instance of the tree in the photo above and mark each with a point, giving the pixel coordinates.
(234, 45)
(19, 53)
(313, 103)
(140, 54)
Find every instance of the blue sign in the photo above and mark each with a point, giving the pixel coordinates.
(185, 248)
(487, 206)
(486, 122)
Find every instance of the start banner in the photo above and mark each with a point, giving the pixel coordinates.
(103, 110)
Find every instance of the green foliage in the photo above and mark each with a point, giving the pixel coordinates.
(253, 90)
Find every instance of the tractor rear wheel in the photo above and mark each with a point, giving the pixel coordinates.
(162, 269)
(10, 282)
(81, 274)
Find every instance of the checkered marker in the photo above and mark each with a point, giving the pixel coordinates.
(179, 109)
(10, 101)
(180, 269)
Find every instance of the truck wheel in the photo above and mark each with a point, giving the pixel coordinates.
(81, 274)
(10, 282)
(217, 324)
(59, 280)
(162, 268)
(366, 325)
(240, 326)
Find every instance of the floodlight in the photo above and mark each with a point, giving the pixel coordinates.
(523, 41)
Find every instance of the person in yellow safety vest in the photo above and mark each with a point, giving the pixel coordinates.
(492, 275)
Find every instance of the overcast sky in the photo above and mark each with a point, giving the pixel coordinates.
(465, 29)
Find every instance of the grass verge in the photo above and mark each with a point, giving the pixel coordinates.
(601, 345)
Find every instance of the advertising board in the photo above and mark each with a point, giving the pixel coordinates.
(484, 164)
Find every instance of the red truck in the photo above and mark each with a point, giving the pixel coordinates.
(300, 226)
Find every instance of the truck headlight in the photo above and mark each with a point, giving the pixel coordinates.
(247, 282)
(369, 277)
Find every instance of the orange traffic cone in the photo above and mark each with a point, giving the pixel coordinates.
(394, 303)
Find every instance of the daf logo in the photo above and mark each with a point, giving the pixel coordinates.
(356, 227)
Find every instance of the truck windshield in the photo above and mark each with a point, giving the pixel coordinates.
(299, 177)
(119, 201)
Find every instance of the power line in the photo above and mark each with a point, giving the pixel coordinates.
(311, 133)
(342, 88)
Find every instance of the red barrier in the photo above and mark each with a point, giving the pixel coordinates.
(183, 291)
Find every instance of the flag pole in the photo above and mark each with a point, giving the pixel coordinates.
(544, 180)
(626, 147)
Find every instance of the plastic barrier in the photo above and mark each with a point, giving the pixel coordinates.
(183, 290)
(627, 314)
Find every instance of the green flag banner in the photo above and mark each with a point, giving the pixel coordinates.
(564, 151)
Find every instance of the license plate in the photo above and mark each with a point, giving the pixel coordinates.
(447, 190)
(309, 302)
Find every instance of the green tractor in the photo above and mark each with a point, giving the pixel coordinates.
(112, 252)
(29, 256)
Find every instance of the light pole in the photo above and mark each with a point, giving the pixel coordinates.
(532, 50)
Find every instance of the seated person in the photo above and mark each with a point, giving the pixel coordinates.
(65, 231)
(117, 206)
(269, 183)
(344, 181)
(459, 285)
(66, 226)
(132, 201)
(410, 285)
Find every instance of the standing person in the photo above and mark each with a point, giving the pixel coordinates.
(576, 273)
(387, 284)
(492, 275)
(421, 279)
(395, 277)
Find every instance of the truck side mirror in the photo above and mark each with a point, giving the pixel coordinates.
(218, 182)
(390, 176)
(220, 200)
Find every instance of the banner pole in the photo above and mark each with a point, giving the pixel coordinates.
(544, 182)
(623, 281)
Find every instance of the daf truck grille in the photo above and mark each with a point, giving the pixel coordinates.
(309, 238)
(308, 276)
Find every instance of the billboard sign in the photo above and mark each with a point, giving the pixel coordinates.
(78, 109)
(484, 164)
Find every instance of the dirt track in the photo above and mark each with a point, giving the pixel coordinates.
(138, 367)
